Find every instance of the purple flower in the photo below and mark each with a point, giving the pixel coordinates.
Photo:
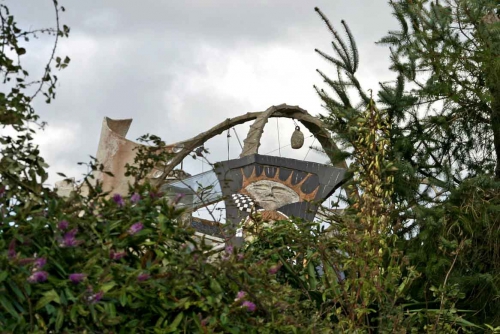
(40, 262)
(69, 239)
(62, 225)
(241, 256)
(240, 295)
(77, 277)
(116, 255)
(135, 228)
(72, 233)
(11, 253)
(155, 195)
(96, 297)
(273, 270)
(249, 306)
(143, 277)
(118, 200)
(229, 249)
(38, 276)
(135, 198)
(178, 197)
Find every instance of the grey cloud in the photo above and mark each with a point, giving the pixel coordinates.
(132, 59)
(222, 21)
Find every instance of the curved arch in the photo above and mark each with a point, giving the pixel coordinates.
(313, 124)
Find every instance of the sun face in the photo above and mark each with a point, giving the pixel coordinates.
(272, 195)
(271, 191)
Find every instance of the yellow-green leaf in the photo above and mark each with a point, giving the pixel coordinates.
(49, 296)
(108, 286)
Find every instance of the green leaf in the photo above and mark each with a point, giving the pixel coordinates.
(133, 323)
(7, 305)
(112, 310)
(123, 299)
(312, 275)
(466, 323)
(108, 286)
(82, 311)
(159, 322)
(18, 306)
(112, 321)
(3, 275)
(215, 286)
(41, 322)
(173, 326)
(69, 295)
(223, 318)
(49, 296)
(59, 319)
(93, 313)
(72, 313)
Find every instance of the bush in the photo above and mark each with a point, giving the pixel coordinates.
(123, 265)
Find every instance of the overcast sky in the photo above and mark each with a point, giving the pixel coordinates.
(180, 67)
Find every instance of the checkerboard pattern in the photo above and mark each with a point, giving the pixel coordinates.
(243, 202)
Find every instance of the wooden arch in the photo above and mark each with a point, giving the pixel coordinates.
(252, 142)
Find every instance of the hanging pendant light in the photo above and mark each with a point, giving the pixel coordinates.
(297, 139)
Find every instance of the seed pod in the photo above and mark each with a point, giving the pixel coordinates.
(297, 139)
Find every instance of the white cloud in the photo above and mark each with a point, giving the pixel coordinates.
(55, 143)
(181, 67)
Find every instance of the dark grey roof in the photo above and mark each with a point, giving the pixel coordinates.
(213, 230)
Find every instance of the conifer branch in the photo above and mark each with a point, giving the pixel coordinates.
(337, 37)
(354, 48)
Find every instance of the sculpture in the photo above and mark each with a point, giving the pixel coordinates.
(275, 187)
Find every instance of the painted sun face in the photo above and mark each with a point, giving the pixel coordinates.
(272, 195)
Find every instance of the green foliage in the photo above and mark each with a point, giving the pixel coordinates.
(441, 134)
(463, 231)
(139, 272)
(450, 52)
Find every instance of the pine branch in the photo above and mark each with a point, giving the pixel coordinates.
(344, 48)
(354, 48)
(339, 90)
(333, 60)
